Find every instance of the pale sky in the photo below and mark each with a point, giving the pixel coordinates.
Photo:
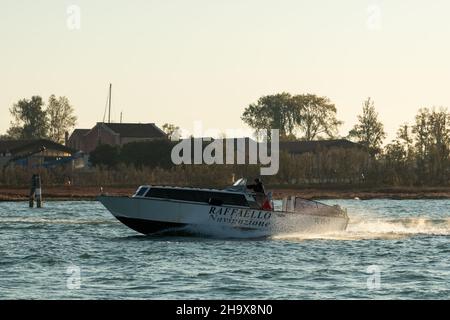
(181, 61)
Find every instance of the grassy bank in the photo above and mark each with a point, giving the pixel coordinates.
(90, 193)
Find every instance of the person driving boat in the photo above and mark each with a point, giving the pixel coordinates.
(260, 195)
(257, 187)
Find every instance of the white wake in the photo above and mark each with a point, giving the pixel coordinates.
(360, 228)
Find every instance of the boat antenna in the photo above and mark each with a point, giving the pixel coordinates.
(106, 108)
(109, 112)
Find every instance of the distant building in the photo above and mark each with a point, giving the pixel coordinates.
(35, 153)
(296, 147)
(76, 139)
(115, 134)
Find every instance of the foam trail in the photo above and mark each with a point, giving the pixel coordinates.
(360, 228)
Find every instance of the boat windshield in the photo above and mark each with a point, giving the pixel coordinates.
(240, 182)
(141, 191)
(239, 186)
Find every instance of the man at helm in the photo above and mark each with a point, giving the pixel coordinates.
(265, 201)
(257, 187)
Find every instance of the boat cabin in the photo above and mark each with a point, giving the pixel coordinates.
(205, 196)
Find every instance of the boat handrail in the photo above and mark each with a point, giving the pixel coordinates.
(315, 201)
(295, 203)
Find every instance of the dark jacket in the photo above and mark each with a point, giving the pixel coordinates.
(257, 187)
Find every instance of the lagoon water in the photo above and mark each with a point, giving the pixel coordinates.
(77, 250)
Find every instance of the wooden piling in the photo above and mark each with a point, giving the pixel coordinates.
(35, 191)
(38, 191)
(32, 190)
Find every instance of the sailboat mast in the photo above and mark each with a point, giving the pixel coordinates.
(109, 112)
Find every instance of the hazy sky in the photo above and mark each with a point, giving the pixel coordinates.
(181, 61)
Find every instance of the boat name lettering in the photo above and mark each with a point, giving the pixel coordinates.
(240, 213)
(243, 222)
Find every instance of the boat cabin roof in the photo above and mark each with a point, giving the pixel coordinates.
(189, 188)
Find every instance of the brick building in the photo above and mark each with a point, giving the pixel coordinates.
(116, 134)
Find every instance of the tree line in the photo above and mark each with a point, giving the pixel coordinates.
(419, 155)
(314, 116)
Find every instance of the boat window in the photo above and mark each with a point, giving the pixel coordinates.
(157, 193)
(198, 196)
(141, 191)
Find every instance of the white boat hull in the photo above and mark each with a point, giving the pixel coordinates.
(153, 215)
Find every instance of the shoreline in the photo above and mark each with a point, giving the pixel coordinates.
(67, 193)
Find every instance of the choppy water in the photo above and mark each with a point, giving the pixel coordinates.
(407, 242)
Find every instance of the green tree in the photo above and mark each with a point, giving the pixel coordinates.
(422, 132)
(316, 116)
(105, 155)
(61, 118)
(405, 136)
(399, 158)
(141, 154)
(432, 137)
(5, 137)
(30, 121)
(172, 131)
(310, 114)
(369, 132)
(272, 112)
(406, 140)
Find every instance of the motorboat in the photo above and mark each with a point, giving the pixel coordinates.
(153, 209)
